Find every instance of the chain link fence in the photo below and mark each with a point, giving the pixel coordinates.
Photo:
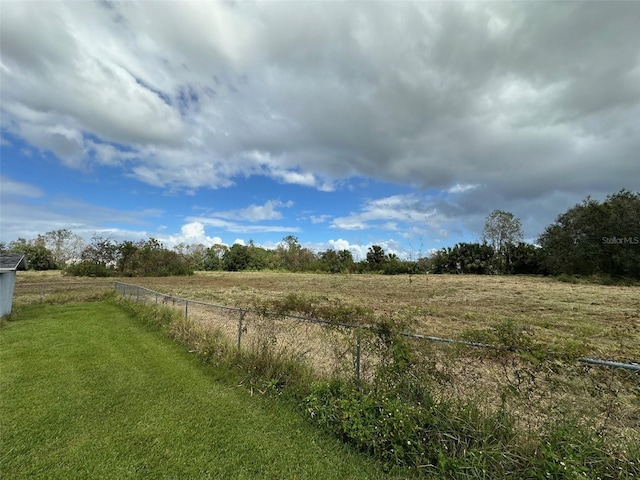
(529, 383)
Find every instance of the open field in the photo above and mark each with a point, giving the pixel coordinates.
(590, 320)
(108, 398)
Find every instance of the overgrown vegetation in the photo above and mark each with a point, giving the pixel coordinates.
(595, 238)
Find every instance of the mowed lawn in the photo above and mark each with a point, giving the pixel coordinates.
(88, 392)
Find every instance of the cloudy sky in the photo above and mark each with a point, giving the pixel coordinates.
(345, 124)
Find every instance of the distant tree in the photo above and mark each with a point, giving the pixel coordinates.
(193, 255)
(336, 262)
(293, 256)
(376, 258)
(157, 261)
(595, 238)
(18, 246)
(394, 265)
(128, 258)
(98, 259)
(39, 257)
(151, 257)
(346, 260)
(330, 261)
(475, 258)
(502, 230)
(236, 259)
(213, 257)
(438, 261)
(525, 258)
(65, 245)
(101, 251)
(261, 258)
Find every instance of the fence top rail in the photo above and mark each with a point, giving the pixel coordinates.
(593, 361)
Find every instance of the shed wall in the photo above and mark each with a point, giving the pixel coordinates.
(7, 284)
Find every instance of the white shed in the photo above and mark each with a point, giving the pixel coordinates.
(9, 263)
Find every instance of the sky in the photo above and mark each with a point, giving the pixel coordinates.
(344, 124)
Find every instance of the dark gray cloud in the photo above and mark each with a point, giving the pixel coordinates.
(527, 100)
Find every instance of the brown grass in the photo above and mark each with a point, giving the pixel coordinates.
(591, 320)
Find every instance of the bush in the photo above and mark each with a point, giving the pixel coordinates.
(87, 269)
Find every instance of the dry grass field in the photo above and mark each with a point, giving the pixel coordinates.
(590, 320)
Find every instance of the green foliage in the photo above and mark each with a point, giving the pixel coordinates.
(239, 258)
(474, 258)
(39, 257)
(381, 426)
(395, 266)
(333, 261)
(397, 413)
(376, 258)
(213, 257)
(101, 251)
(523, 258)
(104, 257)
(236, 259)
(592, 239)
(596, 238)
(396, 419)
(87, 269)
(500, 229)
(569, 451)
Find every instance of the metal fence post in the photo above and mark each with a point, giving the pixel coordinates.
(138, 295)
(41, 292)
(186, 309)
(242, 313)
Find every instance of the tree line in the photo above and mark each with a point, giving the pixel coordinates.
(591, 238)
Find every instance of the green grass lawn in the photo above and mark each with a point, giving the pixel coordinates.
(87, 392)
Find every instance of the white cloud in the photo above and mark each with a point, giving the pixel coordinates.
(10, 187)
(339, 244)
(459, 188)
(192, 233)
(390, 211)
(32, 218)
(359, 250)
(207, 92)
(237, 227)
(527, 105)
(315, 219)
(259, 213)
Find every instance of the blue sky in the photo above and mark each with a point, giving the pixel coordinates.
(345, 124)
